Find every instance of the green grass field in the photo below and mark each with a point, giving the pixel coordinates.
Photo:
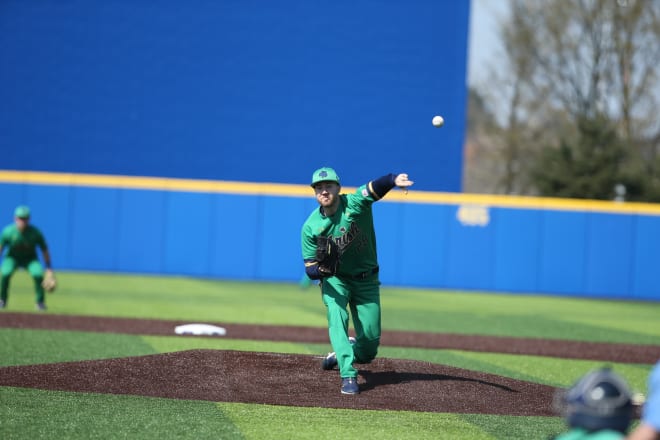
(30, 413)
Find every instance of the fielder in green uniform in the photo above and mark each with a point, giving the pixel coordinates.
(21, 240)
(348, 220)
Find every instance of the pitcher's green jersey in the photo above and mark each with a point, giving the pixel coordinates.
(351, 226)
(22, 246)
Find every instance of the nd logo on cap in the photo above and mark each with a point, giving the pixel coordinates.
(325, 174)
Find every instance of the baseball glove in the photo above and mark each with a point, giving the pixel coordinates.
(327, 255)
(49, 283)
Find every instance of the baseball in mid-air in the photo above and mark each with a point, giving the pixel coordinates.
(438, 121)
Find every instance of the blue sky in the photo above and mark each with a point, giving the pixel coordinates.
(484, 43)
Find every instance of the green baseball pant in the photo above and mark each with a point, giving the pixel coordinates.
(34, 268)
(363, 299)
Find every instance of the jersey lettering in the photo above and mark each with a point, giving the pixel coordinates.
(347, 237)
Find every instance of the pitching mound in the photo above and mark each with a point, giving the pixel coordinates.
(292, 380)
(297, 380)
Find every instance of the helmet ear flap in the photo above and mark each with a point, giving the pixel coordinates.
(600, 400)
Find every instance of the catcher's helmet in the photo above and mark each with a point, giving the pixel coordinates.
(601, 399)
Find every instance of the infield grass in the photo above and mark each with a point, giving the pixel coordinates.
(31, 414)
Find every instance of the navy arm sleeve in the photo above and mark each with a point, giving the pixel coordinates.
(381, 186)
(312, 269)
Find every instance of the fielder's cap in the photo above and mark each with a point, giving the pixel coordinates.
(22, 211)
(325, 174)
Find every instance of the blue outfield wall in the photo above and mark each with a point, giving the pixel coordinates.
(249, 90)
(436, 240)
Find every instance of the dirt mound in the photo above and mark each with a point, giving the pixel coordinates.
(292, 380)
(297, 380)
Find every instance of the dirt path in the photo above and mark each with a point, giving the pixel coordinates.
(608, 352)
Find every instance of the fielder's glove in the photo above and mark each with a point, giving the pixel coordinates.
(49, 283)
(327, 256)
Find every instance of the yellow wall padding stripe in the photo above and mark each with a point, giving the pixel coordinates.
(152, 183)
(290, 190)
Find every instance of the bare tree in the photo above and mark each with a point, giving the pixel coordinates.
(501, 148)
(636, 47)
(571, 60)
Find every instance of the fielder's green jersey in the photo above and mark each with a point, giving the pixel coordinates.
(22, 246)
(580, 434)
(351, 226)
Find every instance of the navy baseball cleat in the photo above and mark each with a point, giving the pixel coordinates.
(3, 304)
(329, 362)
(349, 385)
(41, 307)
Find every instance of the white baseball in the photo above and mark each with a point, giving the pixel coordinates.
(438, 121)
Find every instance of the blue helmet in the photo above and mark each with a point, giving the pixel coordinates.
(600, 400)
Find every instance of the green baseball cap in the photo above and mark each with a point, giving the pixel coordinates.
(325, 174)
(22, 212)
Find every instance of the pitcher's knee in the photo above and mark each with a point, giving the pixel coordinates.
(366, 351)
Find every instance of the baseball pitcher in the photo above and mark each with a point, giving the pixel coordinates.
(339, 249)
